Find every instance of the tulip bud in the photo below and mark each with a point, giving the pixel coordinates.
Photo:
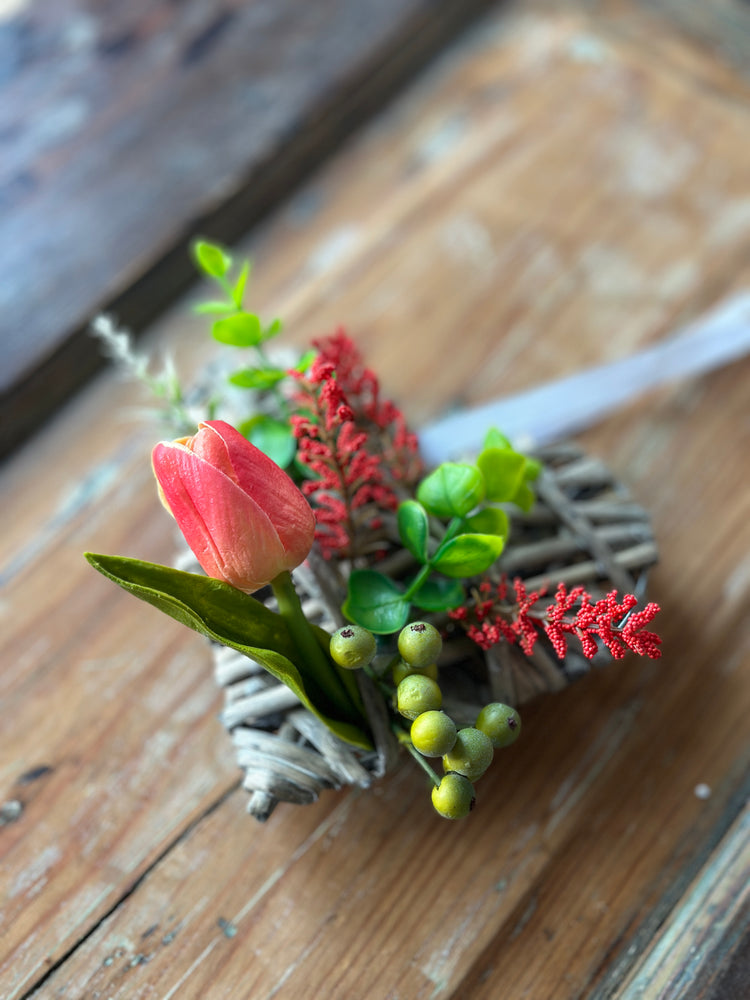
(241, 514)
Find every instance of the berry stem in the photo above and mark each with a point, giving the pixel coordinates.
(452, 529)
(403, 738)
(385, 689)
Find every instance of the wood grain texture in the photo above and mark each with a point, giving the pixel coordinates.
(125, 129)
(688, 958)
(546, 197)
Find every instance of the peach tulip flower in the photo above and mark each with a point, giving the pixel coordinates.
(241, 514)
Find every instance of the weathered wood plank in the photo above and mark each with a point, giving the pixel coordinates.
(524, 211)
(123, 131)
(708, 931)
(721, 25)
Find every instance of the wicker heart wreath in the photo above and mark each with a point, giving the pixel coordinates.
(359, 604)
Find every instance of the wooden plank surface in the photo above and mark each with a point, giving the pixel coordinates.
(549, 196)
(124, 127)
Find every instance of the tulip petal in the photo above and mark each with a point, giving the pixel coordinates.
(271, 488)
(230, 535)
(209, 445)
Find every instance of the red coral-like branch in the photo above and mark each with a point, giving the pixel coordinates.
(354, 443)
(574, 612)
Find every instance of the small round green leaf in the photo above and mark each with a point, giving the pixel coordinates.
(503, 470)
(413, 527)
(273, 437)
(489, 521)
(375, 602)
(452, 490)
(437, 594)
(468, 555)
(211, 259)
(240, 330)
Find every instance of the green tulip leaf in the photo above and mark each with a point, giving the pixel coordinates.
(241, 330)
(503, 470)
(468, 555)
(230, 617)
(489, 521)
(413, 527)
(452, 490)
(211, 259)
(437, 594)
(375, 602)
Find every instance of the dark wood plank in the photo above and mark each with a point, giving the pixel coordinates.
(127, 128)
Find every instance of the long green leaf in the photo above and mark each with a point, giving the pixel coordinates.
(228, 616)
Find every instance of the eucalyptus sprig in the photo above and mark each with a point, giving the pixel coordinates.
(466, 496)
(238, 327)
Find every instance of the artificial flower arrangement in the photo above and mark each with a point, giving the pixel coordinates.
(358, 602)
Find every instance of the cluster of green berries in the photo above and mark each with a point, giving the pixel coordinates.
(466, 753)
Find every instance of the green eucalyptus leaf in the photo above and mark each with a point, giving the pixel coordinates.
(305, 361)
(273, 328)
(532, 470)
(238, 291)
(503, 470)
(489, 521)
(228, 616)
(375, 602)
(273, 437)
(468, 555)
(494, 439)
(257, 378)
(437, 594)
(211, 259)
(240, 330)
(413, 527)
(213, 308)
(524, 497)
(452, 490)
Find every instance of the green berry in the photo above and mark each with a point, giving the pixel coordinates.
(433, 733)
(453, 797)
(353, 647)
(470, 755)
(403, 669)
(416, 694)
(420, 644)
(501, 723)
